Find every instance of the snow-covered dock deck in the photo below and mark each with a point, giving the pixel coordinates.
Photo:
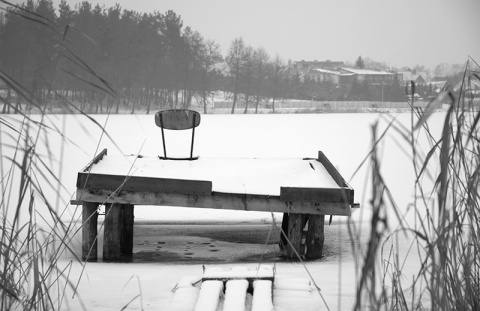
(309, 186)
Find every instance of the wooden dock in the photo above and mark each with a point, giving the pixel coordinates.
(303, 189)
(242, 288)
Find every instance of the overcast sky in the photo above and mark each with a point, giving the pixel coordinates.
(397, 32)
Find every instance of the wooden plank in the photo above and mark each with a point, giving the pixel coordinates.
(331, 169)
(180, 119)
(315, 195)
(217, 200)
(262, 295)
(335, 175)
(295, 231)
(89, 231)
(263, 272)
(235, 295)
(315, 236)
(112, 226)
(95, 160)
(126, 231)
(139, 184)
(209, 296)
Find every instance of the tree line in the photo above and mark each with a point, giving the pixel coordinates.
(98, 59)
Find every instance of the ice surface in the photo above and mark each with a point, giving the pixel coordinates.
(344, 138)
(292, 284)
(184, 299)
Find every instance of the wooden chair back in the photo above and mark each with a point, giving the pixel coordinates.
(177, 119)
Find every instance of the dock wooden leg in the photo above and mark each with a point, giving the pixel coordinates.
(89, 231)
(315, 236)
(295, 230)
(283, 240)
(126, 237)
(112, 226)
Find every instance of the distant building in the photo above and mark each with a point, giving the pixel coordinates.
(335, 72)
(419, 77)
(369, 75)
(472, 87)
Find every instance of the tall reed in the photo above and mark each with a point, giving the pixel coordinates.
(34, 234)
(445, 232)
(33, 237)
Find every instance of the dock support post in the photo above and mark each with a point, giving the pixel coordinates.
(283, 239)
(295, 231)
(126, 237)
(315, 236)
(89, 231)
(112, 227)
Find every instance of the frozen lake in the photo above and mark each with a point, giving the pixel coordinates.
(344, 138)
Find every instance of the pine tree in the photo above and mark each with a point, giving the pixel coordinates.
(360, 63)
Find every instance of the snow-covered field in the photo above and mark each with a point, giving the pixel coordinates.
(344, 138)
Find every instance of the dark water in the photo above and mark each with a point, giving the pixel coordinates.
(221, 243)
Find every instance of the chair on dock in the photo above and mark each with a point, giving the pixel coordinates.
(177, 119)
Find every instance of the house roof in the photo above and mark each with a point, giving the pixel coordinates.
(366, 72)
(437, 83)
(320, 64)
(318, 70)
(474, 84)
(410, 76)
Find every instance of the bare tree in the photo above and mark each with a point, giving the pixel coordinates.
(275, 78)
(247, 73)
(210, 57)
(235, 60)
(261, 59)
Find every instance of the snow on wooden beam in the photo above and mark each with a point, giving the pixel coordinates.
(216, 200)
(95, 160)
(262, 295)
(135, 183)
(235, 295)
(264, 272)
(209, 296)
